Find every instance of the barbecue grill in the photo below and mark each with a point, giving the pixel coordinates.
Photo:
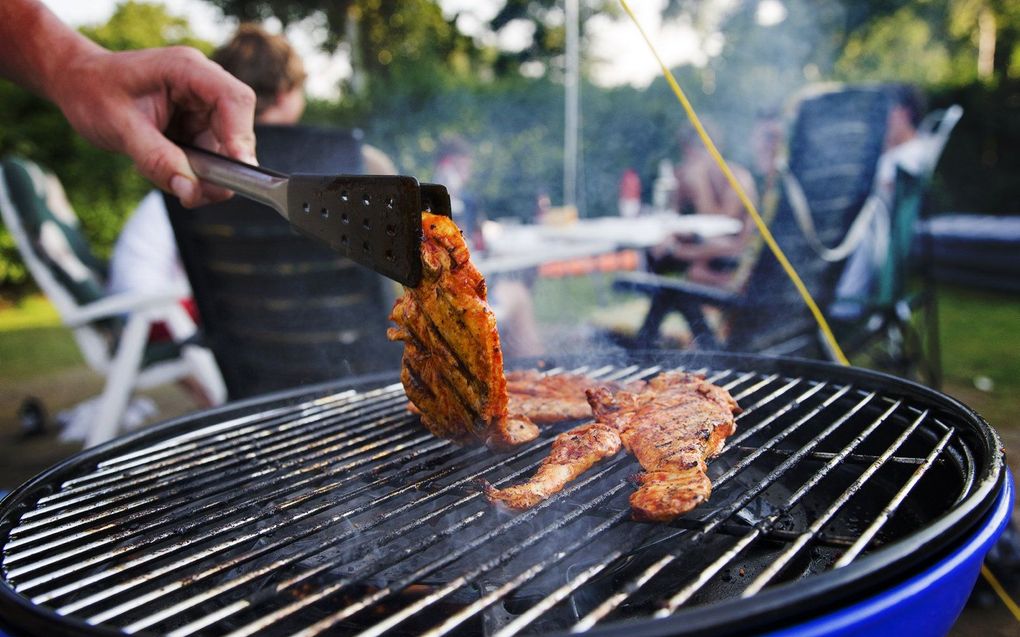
(329, 509)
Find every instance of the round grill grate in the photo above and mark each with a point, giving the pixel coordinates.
(330, 510)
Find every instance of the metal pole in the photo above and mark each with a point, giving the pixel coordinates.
(572, 86)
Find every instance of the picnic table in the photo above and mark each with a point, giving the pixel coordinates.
(512, 247)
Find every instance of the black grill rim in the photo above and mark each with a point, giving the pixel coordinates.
(780, 605)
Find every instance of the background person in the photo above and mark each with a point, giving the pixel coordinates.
(903, 149)
(702, 188)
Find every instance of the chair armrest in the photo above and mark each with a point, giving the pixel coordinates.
(654, 284)
(124, 303)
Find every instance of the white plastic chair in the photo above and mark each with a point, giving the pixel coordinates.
(111, 330)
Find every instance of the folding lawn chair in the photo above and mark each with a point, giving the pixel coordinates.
(897, 328)
(111, 330)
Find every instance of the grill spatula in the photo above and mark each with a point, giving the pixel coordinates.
(374, 220)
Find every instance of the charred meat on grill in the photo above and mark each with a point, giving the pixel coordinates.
(452, 367)
(671, 424)
(573, 452)
(547, 399)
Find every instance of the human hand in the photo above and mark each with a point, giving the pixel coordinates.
(131, 101)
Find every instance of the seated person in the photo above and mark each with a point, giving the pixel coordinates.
(903, 149)
(145, 256)
(702, 188)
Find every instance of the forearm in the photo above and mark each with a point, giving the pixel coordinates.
(717, 247)
(36, 48)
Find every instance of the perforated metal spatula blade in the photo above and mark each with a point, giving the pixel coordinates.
(374, 220)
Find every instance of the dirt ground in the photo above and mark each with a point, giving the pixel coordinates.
(23, 457)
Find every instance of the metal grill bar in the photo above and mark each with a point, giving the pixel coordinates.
(765, 526)
(134, 603)
(180, 491)
(368, 445)
(234, 541)
(408, 451)
(629, 589)
(854, 457)
(784, 558)
(210, 430)
(222, 455)
(494, 534)
(114, 469)
(335, 539)
(887, 512)
(183, 490)
(261, 473)
(632, 372)
(557, 596)
(521, 578)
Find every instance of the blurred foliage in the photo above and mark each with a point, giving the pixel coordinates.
(545, 46)
(979, 165)
(138, 25)
(408, 42)
(102, 187)
(418, 81)
(412, 38)
(515, 127)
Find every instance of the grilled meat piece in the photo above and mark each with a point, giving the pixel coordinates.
(573, 452)
(671, 424)
(452, 368)
(551, 399)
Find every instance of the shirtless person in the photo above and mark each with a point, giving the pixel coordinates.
(703, 189)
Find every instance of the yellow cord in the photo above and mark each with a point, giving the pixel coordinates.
(1000, 591)
(783, 261)
(744, 199)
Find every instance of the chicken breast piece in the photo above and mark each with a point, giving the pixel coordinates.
(671, 424)
(452, 366)
(573, 452)
(547, 399)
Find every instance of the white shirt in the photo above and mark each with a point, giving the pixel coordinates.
(916, 157)
(145, 257)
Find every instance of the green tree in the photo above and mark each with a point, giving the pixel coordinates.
(408, 43)
(921, 57)
(140, 25)
(546, 44)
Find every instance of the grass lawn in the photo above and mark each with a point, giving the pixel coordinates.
(980, 335)
(33, 342)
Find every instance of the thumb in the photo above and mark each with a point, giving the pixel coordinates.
(163, 163)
